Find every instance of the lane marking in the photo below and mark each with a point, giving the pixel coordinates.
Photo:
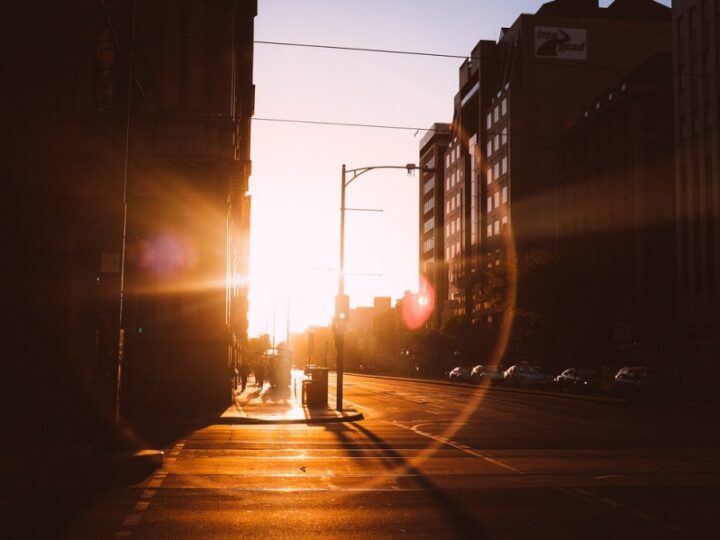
(148, 493)
(582, 493)
(606, 476)
(444, 440)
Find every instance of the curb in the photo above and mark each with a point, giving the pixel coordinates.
(574, 397)
(355, 417)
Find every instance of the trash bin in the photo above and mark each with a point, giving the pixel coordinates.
(315, 387)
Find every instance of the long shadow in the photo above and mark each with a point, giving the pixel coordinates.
(463, 524)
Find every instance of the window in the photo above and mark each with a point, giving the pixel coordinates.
(429, 205)
(447, 207)
(489, 148)
(488, 124)
(496, 113)
(503, 168)
(496, 142)
(429, 185)
(497, 199)
(489, 176)
(496, 170)
(504, 136)
(503, 107)
(504, 222)
(458, 201)
(489, 231)
(429, 224)
(489, 204)
(504, 194)
(496, 227)
(447, 160)
(452, 228)
(428, 245)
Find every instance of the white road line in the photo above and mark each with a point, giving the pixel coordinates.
(606, 476)
(460, 447)
(148, 493)
(584, 492)
(610, 502)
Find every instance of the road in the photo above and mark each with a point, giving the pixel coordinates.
(432, 461)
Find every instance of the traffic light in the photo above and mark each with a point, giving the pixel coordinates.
(342, 308)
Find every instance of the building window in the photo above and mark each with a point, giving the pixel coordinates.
(504, 194)
(429, 224)
(497, 199)
(489, 204)
(496, 142)
(496, 227)
(429, 205)
(489, 176)
(496, 170)
(489, 148)
(447, 160)
(489, 231)
(488, 123)
(504, 136)
(428, 245)
(503, 107)
(504, 222)
(429, 185)
(496, 113)
(503, 168)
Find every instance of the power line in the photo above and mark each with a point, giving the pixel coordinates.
(490, 133)
(514, 59)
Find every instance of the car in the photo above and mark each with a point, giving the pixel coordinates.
(486, 375)
(578, 380)
(639, 382)
(524, 375)
(459, 374)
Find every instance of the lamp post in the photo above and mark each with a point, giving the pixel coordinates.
(342, 302)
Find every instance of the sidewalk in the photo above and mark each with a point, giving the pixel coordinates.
(280, 406)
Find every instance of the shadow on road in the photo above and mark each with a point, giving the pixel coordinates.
(464, 526)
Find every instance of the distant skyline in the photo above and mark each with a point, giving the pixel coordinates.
(296, 167)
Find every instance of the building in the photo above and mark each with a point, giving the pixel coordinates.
(128, 166)
(616, 226)
(696, 62)
(516, 96)
(433, 148)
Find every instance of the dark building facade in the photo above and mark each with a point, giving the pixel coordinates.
(697, 139)
(616, 226)
(516, 97)
(433, 148)
(128, 163)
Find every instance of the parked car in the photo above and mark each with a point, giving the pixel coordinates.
(525, 376)
(486, 375)
(639, 382)
(578, 380)
(459, 374)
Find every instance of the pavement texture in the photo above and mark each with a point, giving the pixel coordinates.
(269, 405)
(428, 461)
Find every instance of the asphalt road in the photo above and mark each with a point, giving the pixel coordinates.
(432, 461)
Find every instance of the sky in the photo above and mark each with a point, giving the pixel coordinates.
(295, 184)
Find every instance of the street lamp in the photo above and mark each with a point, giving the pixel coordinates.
(342, 301)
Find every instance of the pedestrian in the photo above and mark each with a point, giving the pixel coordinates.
(260, 373)
(244, 371)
